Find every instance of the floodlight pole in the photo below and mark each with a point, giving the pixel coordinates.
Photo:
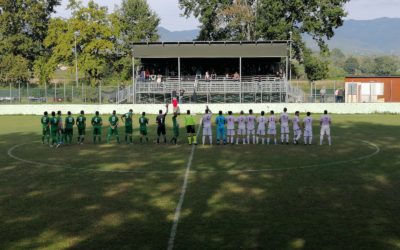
(240, 77)
(76, 33)
(287, 79)
(290, 56)
(179, 73)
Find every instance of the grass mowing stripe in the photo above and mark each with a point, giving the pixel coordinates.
(10, 154)
(178, 209)
(363, 157)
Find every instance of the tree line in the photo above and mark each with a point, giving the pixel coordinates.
(34, 44)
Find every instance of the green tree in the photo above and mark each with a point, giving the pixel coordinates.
(385, 65)
(14, 69)
(134, 21)
(269, 20)
(91, 27)
(137, 22)
(23, 27)
(367, 66)
(337, 57)
(315, 67)
(351, 65)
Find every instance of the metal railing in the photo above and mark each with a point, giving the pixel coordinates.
(258, 88)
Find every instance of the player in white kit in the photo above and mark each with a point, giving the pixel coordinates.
(251, 127)
(230, 126)
(284, 121)
(308, 129)
(271, 127)
(261, 128)
(241, 128)
(325, 123)
(296, 128)
(207, 131)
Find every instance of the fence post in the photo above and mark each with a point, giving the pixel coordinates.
(55, 93)
(27, 91)
(10, 94)
(82, 93)
(19, 91)
(72, 93)
(334, 91)
(100, 93)
(64, 94)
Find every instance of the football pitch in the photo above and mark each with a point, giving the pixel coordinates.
(148, 196)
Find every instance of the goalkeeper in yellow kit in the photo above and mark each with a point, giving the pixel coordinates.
(190, 128)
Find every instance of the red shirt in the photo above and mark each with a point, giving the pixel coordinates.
(174, 102)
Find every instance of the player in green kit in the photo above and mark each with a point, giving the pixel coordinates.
(45, 121)
(113, 128)
(127, 118)
(69, 128)
(81, 124)
(175, 128)
(97, 124)
(190, 128)
(61, 131)
(53, 128)
(143, 121)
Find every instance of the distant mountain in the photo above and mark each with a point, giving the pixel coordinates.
(363, 37)
(177, 36)
(366, 37)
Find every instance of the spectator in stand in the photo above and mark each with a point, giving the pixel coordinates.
(142, 75)
(147, 74)
(236, 76)
(341, 95)
(337, 95)
(181, 93)
(207, 76)
(159, 79)
(198, 73)
(322, 93)
(175, 106)
(213, 75)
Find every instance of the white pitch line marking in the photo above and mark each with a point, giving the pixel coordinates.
(178, 209)
(10, 154)
(377, 151)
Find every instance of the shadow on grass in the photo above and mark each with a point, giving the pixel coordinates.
(347, 206)
(60, 208)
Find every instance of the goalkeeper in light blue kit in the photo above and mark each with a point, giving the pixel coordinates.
(220, 121)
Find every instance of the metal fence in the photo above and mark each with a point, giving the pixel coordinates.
(59, 93)
(252, 90)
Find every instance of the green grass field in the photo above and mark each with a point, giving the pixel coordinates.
(238, 197)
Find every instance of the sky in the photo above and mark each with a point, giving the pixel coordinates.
(169, 12)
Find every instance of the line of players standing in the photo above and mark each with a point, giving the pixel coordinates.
(248, 132)
(52, 127)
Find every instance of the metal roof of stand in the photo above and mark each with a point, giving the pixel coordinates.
(205, 49)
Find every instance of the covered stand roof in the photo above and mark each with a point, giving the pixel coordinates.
(211, 49)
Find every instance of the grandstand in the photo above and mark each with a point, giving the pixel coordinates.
(211, 72)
